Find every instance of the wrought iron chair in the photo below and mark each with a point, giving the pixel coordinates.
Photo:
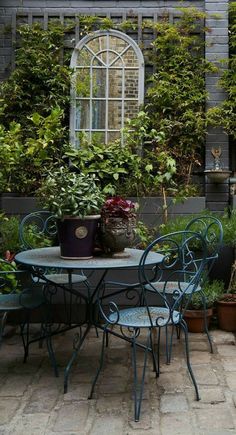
(211, 230)
(14, 297)
(39, 229)
(155, 310)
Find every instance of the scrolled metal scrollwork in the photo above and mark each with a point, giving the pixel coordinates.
(130, 332)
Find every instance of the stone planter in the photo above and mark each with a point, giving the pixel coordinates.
(116, 234)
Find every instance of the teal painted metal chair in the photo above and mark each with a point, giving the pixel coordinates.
(155, 310)
(211, 230)
(39, 229)
(15, 297)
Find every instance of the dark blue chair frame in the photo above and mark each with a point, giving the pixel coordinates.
(14, 297)
(179, 265)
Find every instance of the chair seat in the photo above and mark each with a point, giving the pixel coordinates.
(19, 301)
(63, 279)
(171, 286)
(138, 317)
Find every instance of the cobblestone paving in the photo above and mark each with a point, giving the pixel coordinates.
(32, 400)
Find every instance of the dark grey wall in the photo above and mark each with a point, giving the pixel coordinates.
(13, 12)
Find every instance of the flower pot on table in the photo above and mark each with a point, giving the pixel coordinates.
(117, 233)
(77, 236)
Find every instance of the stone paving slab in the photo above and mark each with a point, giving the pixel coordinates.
(32, 400)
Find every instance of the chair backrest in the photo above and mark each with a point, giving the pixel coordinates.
(38, 229)
(181, 268)
(211, 230)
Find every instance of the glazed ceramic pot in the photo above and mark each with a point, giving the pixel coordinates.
(77, 236)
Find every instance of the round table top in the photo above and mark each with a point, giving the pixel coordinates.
(50, 257)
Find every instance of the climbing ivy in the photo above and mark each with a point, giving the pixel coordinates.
(167, 136)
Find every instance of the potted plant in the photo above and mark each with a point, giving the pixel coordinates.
(75, 200)
(226, 305)
(118, 223)
(194, 311)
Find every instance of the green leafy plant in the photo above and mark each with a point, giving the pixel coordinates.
(176, 95)
(23, 161)
(121, 170)
(8, 280)
(112, 165)
(66, 193)
(10, 242)
(39, 81)
(212, 291)
(34, 109)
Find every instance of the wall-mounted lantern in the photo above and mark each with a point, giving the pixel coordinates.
(217, 174)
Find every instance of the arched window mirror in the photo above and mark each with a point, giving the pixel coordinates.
(107, 85)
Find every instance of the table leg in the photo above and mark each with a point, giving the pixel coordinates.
(77, 347)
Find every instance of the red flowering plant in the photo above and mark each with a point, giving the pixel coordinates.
(117, 207)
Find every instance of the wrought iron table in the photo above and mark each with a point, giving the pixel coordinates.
(39, 259)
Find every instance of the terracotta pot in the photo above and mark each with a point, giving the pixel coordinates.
(195, 319)
(77, 237)
(226, 311)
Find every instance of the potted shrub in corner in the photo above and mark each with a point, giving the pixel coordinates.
(194, 314)
(75, 200)
(226, 305)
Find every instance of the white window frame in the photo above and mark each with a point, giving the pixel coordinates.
(140, 88)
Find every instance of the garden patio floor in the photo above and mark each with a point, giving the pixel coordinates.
(32, 400)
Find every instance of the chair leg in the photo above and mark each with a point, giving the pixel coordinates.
(185, 329)
(100, 364)
(3, 323)
(205, 322)
(138, 389)
(156, 365)
(25, 336)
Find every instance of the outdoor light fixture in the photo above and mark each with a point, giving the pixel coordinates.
(217, 174)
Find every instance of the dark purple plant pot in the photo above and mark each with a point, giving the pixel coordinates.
(77, 236)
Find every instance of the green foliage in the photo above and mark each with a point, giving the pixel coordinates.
(9, 236)
(144, 235)
(177, 224)
(8, 280)
(23, 161)
(39, 81)
(176, 95)
(111, 164)
(34, 112)
(68, 193)
(212, 291)
(227, 220)
(120, 170)
(163, 144)
(229, 228)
